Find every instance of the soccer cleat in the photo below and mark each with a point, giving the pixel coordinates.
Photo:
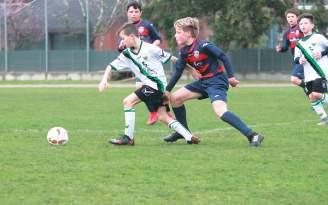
(153, 118)
(173, 137)
(323, 121)
(256, 140)
(123, 140)
(194, 140)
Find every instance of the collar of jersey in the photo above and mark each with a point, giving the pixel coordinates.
(137, 22)
(192, 46)
(295, 26)
(307, 37)
(136, 53)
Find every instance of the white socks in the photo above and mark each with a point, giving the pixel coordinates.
(324, 98)
(179, 128)
(130, 118)
(318, 108)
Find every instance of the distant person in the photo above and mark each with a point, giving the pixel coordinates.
(311, 52)
(151, 73)
(204, 56)
(149, 34)
(288, 41)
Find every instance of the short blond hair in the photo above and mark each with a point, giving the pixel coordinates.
(188, 24)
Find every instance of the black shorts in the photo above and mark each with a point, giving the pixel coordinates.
(318, 85)
(150, 95)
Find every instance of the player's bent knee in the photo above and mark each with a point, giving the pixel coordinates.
(176, 100)
(219, 113)
(295, 80)
(313, 97)
(316, 96)
(127, 103)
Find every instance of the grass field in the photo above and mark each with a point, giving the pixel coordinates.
(290, 168)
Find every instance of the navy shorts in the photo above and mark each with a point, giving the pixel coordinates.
(214, 88)
(298, 71)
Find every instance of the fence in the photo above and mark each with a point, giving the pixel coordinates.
(59, 36)
(244, 61)
(58, 61)
(261, 61)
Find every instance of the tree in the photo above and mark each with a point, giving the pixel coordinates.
(23, 25)
(238, 22)
(320, 14)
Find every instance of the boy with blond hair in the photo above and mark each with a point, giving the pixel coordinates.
(204, 56)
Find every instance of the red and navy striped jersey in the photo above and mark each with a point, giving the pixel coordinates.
(203, 56)
(290, 38)
(147, 31)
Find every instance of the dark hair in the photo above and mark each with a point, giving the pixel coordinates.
(307, 16)
(128, 28)
(134, 4)
(292, 11)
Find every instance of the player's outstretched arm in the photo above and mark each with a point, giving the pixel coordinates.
(279, 45)
(283, 43)
(107, 75)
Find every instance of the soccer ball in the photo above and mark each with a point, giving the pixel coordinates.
(57, 136)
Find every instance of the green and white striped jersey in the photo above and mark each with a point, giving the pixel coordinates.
(307, 45)
(146, 64)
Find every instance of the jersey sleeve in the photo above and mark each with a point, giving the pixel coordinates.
(323, 41)
(297, 55)
(160, 54)
(163, 55)
(153, 33)
(213, 50)
(324, 52)
(285, 42)
(179, 67)
(121, 63)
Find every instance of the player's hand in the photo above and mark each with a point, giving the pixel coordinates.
(278, 48)
(195, 74)
(302, 60)
(317, 55)
(102, 85)
(166, 98)
(233, 82)
(174, 59)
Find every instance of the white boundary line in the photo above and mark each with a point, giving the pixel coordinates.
(132, 85)
(210, 131)
(163, 130)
